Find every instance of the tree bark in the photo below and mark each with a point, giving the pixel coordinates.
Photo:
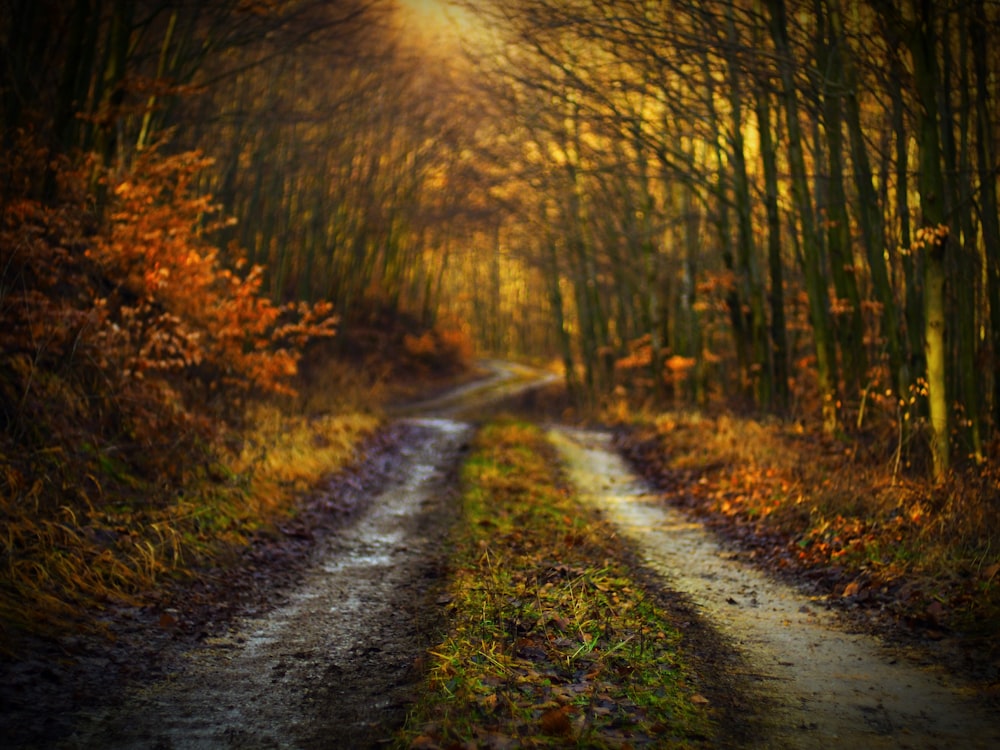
(869, 207)
(849, 321)
(748, 264)
(769, 165)
(988, 208)
(934, 230)
(816, 290)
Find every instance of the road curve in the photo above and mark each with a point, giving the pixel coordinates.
(504, 379)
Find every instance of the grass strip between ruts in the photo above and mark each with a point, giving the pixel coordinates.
(550, 642)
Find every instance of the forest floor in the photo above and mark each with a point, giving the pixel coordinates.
(323, 636)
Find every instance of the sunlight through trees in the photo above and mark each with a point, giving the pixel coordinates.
(791, 205)
(799, 199)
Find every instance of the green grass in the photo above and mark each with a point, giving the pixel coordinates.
(550, 642)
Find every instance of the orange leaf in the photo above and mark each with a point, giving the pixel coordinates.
(555, 721)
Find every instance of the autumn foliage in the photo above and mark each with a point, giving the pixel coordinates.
(142, 303)
(437, 350)
(194, 315)
(128, 349)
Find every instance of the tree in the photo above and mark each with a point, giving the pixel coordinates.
(769, 168)
(987, 174)
(810, 259)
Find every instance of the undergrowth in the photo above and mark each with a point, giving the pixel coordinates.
(157, 406)
(90, 531)
(550, 642)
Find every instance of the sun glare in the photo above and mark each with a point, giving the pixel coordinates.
(438, 20)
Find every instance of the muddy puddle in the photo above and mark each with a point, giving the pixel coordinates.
(336, 664)
(820, 685)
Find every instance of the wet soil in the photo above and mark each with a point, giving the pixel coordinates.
(313, 638)
(334, 665)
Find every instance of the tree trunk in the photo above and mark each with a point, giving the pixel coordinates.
(869, 207)
(934, 230)
(691, 320)
(967, 271)
(147, 118)
(986, 169)
(768, 154)
(849, 323)
(554, 277)
(748, 266)
(815, 284)
(112, 92)
(71, 96)
(738, 320)
(913, 367)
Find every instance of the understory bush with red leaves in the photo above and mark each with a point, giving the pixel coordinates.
(129, 329)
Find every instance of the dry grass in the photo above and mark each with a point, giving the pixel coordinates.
(284, 455)
(82, 530)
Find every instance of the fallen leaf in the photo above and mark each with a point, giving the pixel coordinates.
(423, 742)
(488, 701)
(852, 589)
(167, 620)
(556, 721)
(495, 741)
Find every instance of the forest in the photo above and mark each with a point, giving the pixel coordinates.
(790, 206)
(212, 211)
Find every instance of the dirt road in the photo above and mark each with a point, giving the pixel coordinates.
(333, 666)
(332, 659)
(819, 685)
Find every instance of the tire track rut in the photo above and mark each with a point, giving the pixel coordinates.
(821, 686)
(336, 665)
